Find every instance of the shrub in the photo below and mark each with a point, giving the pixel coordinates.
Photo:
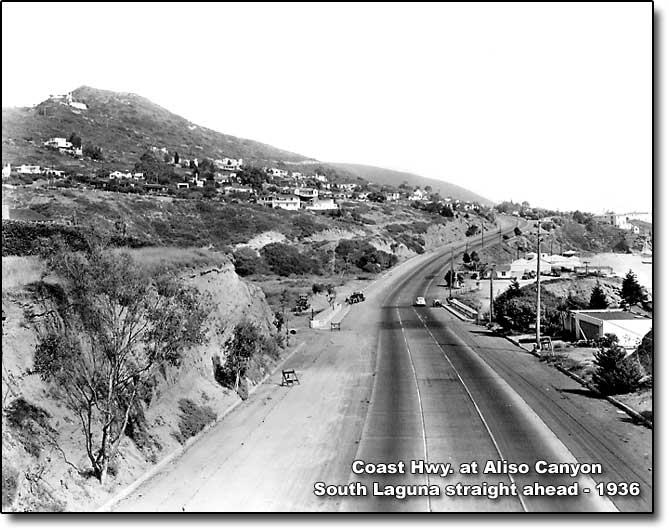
(472, 230)
(363, 255)
(285, 259)
(616, 372)
(645, 353)
(193, 419)
(270, 347)
(10, 484)
(28, 420)
(305, 225)
(248, 262)
(241, 347)
(414, 243)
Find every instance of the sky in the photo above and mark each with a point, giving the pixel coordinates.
(548, 103)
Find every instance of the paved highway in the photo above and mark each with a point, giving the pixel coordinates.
(446, 391)
(402, 383)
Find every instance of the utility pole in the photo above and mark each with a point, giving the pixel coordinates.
(538, 287)
(450, 283)
(481, 236)
(492, 272)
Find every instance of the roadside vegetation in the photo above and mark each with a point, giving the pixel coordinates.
(112, 333)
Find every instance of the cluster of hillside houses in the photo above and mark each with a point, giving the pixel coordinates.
(289, 190)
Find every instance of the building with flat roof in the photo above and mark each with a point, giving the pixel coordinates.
(593, 324)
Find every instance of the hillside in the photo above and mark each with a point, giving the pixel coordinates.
(43, 454)
(381, 175)
(126, 125)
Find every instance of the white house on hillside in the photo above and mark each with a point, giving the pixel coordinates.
(58, 143)
(285, 202)
(623, 220)
(276, 172)
(27, 169)
(419, 195)
(229, 164)
(322, 205)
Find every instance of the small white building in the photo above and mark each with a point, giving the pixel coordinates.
(306, 194)
(623, 220)
(58, 143)
(75, 104)
(350, 187)
(592, 324)
(6, 170)
(27, 169)
(285, 202)
(229, 164)
(322, 205)
(51, 172)
(393, 196)
(120, 175)
(522, 266)
(502, 272)
(419, 195)
(183, 185)
(276, 172)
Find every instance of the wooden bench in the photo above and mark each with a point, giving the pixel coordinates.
(289, 378)
(547, 346)
(335, 325)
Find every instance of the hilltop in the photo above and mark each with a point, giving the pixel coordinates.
(380, 175)
(126, 125)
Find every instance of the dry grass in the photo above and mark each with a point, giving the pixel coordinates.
(17, 272)
(174, 258)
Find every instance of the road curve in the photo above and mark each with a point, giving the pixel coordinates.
(446, 391)
(401, 383)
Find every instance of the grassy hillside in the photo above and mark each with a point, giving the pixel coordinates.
(376, 233)
(381, 175)
(124, 125)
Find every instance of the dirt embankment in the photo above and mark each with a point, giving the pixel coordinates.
(40, 459)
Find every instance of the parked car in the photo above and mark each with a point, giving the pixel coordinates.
(436, 302)
(356, 297)
(420, 301)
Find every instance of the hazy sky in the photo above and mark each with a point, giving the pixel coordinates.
(549, 103)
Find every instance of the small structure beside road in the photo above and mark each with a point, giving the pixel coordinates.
(593, 324)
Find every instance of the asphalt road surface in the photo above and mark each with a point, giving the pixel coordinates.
(398, 384)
